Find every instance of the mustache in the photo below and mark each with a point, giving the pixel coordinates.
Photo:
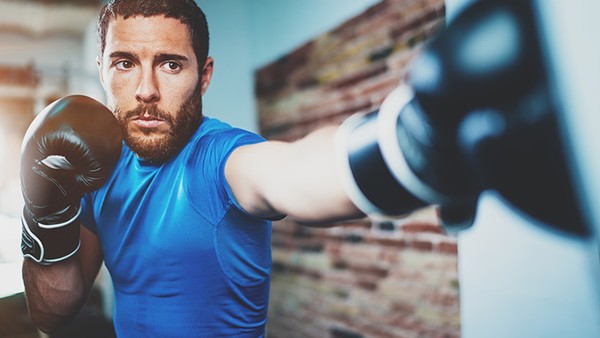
(151, 110)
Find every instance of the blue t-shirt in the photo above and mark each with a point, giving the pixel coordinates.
(185, 259)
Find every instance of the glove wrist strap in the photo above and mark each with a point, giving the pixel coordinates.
(48, 244)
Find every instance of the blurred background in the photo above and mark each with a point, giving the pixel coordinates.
(284, 68)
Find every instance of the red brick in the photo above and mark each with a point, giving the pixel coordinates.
(367, 284)
(365, 74)
(387, 241)
(441, 298)
(421, 227)
(370, 270)
(420, 244)
(448, 247)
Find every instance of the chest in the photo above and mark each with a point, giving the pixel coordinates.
(149, 228)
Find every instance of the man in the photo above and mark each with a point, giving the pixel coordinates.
(182, 222)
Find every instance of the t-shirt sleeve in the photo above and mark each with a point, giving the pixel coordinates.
(86, 217)
(245, 140)
(208, 173)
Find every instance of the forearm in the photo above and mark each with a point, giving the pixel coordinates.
(316, 193)
(55, 293)
(299, 179)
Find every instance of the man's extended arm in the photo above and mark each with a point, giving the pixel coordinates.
(300, 179)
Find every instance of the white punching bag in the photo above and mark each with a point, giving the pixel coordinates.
(516, 278)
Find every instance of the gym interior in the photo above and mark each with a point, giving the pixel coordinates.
(285, 68)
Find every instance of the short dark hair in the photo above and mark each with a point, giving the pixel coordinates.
(186, 11)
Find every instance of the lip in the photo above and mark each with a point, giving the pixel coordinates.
(147, 123)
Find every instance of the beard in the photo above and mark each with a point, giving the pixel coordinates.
(159, 147)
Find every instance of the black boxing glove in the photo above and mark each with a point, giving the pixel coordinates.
(395, 161)
(364, 143)
(481, 88)
(69, 149)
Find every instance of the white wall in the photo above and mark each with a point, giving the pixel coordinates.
(248, 34)
(230, 96)
(278, 27)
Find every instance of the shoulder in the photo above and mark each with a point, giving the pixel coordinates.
(216, 138)
(210, 148)
(220, 130)
(205, 157)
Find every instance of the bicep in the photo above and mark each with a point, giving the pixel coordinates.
(249, 171)
(299, 179)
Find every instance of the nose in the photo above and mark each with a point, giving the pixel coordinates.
(147, 90)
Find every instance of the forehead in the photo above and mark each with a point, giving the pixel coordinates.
(149, 34)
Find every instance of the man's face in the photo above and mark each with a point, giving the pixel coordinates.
(150, 74)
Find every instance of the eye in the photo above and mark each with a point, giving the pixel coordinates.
(124, 65)
(172, 66)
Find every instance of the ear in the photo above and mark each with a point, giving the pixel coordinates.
(207, 72)
(100, 74)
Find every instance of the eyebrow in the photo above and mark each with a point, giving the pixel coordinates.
(165, 57)
(158, 58)
(125, 55)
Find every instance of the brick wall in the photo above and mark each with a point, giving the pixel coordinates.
(364, 278)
